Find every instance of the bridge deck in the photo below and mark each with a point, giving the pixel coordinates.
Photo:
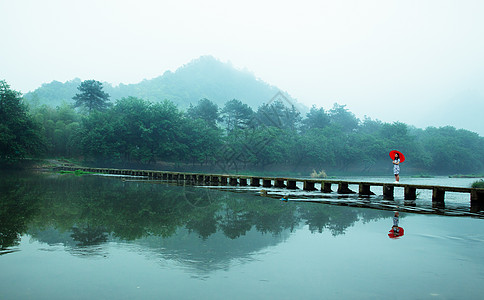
(438, 192)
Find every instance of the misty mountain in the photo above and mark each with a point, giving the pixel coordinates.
(205, 77)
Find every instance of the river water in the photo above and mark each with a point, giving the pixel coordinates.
(96, 237)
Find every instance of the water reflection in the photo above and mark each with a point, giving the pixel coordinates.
(89, 236)
(18, 205)
(396, 231)
(193, 224)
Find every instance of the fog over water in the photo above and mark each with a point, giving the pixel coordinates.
(410, 61)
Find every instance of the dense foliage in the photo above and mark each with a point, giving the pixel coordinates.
(19, 134)
(275, 137)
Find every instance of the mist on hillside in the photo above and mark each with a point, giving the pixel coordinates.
(208, 77)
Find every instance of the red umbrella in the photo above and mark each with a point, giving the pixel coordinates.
(395, 234)
(400, 155)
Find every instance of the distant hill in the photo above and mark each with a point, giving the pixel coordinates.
(205, 77)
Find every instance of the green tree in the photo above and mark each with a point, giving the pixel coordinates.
(19, 133)
(198, 141)
(205, 110)
(60, 128)
(342, 117)
(318, 148)
(91, 96)
(163, 134)
(276, 114)
(316, 118)
(452, 150)
(236, 115)
(99, 137)
(135, 130)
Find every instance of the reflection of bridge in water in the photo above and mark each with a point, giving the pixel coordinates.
(325, 186)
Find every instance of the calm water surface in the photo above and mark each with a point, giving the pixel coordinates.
(80, 237)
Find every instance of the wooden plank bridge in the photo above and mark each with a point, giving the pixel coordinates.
(325, 186)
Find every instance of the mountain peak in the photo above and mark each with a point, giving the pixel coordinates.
(203, 77)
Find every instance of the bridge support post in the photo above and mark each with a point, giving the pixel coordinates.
(388, 192)
(309, 185)
(233, 181)
(477, 200)
(214, 180)
(193, 179)
(243, 181)
(326, 187)
(266, 182)
(438, 196)
(364, 190)
(223, 180)
(344, 189)
(254, 181)
(410, 193)
(291, 184)
(279, 183)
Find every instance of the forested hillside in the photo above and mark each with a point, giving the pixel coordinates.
(205, 77)
(233, 137)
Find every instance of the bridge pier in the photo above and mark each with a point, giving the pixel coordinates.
(309, 185)
(254, 181)
(243, 181)
(233, 181)
(291, 185)
(388, 192)
(279, 183)
(410, 193)
(266, 183)
(192, 179)
(344, 189)
(214, 180)
(438, 195)
(477, 200)
(364, 190)
(326, 187)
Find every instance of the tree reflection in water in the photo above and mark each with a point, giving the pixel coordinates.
(88, 236)
(19, 204)
(210, 225)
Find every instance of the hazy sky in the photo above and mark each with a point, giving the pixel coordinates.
(408, 61)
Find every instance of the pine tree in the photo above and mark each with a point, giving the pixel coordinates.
(91, 96)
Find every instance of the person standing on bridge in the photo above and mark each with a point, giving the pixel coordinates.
(397, 158)
(396, 168)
